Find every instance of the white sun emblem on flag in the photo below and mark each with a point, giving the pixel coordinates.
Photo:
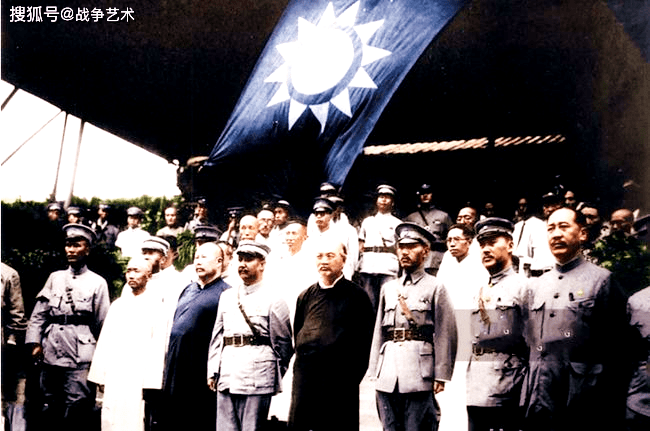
(326, 60)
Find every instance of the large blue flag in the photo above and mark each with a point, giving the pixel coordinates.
(326, 74)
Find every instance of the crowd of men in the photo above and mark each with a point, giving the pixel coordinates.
(278, 320)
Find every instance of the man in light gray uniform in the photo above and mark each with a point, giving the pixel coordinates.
(499, 352)
(251, 345)
(577, 322)
(414, 341)
(63, 330)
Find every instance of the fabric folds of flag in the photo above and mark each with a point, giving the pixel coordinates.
(326, 74)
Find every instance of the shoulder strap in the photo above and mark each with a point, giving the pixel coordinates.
(424, 219)
(254, 330)
(406, 311)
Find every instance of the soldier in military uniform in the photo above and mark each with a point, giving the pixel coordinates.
(63, 331)
(499, 352)
(414, 341)
(435, 221)
(638, 396)
(576, 324)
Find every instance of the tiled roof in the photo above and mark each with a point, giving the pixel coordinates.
(471, 144)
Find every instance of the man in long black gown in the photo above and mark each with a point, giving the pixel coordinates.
(190, 403)
(333, 331)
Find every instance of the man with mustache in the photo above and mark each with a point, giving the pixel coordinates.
(188, 402)
(499, 358)
(333, 330)
(577, 320)
(415, 338)
(251, 345)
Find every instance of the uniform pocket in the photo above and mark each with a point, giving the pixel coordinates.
(582, 382)
(583, 308)
(265, 374)
(55, 300)
(85, 347)
(82, 301)
(426, 360)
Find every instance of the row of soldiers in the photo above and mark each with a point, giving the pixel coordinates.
(546, 352)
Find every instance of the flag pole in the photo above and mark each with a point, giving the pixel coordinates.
(28, 139)
(4, 104)
(76, 163)
(58, 166)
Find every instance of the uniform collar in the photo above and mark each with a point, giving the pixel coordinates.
(573, 263)
(79, 272)
(247, 290)
(415, 275)
(494, 279)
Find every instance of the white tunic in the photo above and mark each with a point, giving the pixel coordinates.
(118, 365)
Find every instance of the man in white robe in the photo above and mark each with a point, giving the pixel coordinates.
(117, 363)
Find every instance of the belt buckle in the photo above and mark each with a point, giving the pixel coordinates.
(478, 350)
(238, 340)
(399, 334)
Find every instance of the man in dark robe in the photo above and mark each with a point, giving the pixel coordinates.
(333, 331)
(190, 403)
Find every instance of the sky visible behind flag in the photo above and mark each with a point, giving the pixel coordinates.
(325, 76)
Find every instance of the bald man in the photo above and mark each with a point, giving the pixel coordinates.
(117, 360)
(189, 402)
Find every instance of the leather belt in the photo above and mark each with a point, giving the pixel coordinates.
(405, 334)
(379, 249)
(71, 319)
(478, 350)
(246, 340)
(514, 350)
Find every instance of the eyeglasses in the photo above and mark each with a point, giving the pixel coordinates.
(455, 239)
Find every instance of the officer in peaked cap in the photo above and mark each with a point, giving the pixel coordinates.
(253, 248)
(550, 202)
(327, 189)
(378, 263)
(385, 189)
(323, 205)
(493, 226)
(415, 315)
(156, 243)
(134, 212)
(79, 231)
(205, 233)
(201, 215)
(411, 233)
(281, 213)
(54, 210)
(156, 251)
(499, 360)
(74, 215)
(105, 231)
(436, 221)
(240, 348)
(130, 240)
(63, 331)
